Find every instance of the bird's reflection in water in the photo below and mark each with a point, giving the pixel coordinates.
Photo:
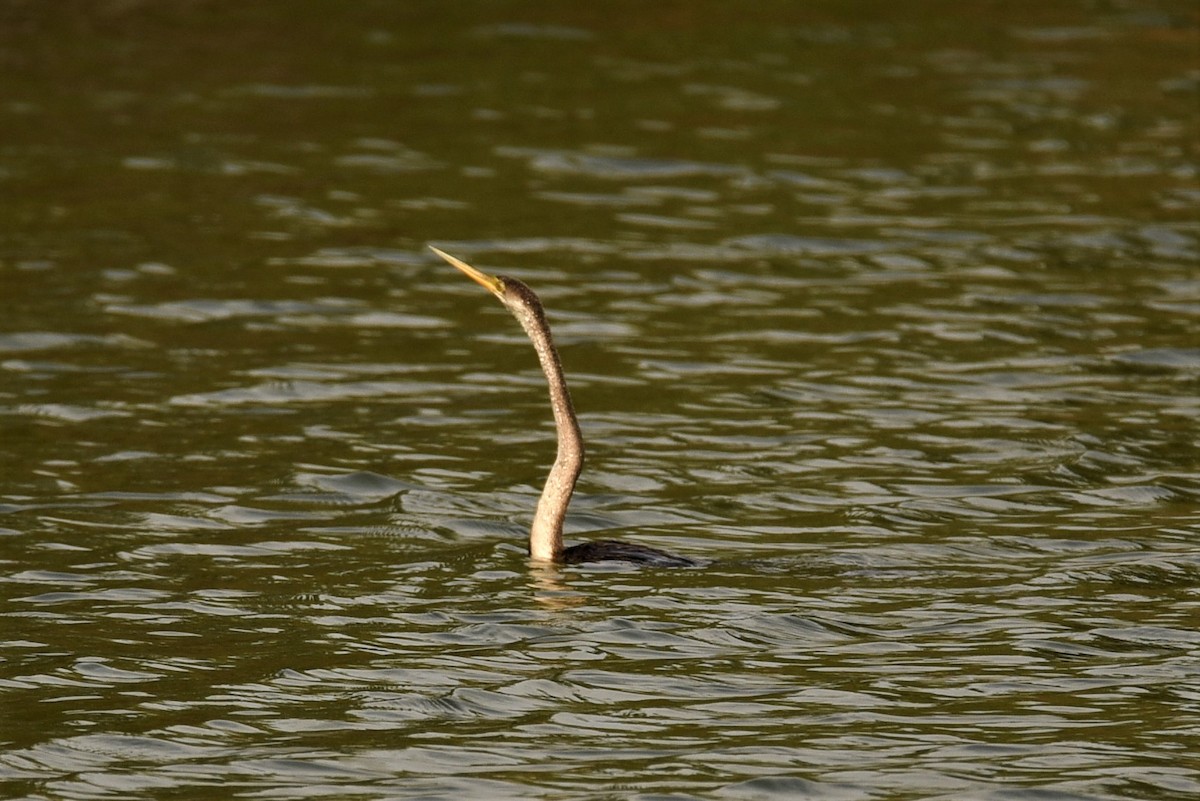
(550, 587)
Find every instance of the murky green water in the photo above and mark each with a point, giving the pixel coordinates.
(892, 312)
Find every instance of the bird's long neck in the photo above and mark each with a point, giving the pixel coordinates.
(546, 535)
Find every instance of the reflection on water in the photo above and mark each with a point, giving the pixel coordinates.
(891, 317)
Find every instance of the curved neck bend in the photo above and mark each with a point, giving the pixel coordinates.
(546, 534)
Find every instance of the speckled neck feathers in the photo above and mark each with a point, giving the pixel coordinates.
(546, 534)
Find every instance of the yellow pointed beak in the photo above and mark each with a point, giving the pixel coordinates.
(488, 282)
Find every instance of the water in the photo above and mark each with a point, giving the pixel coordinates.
(890, 318)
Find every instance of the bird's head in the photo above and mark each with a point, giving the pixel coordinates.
(514, 294)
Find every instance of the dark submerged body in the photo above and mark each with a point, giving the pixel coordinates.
(617, 551)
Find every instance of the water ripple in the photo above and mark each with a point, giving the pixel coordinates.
(891, 324)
